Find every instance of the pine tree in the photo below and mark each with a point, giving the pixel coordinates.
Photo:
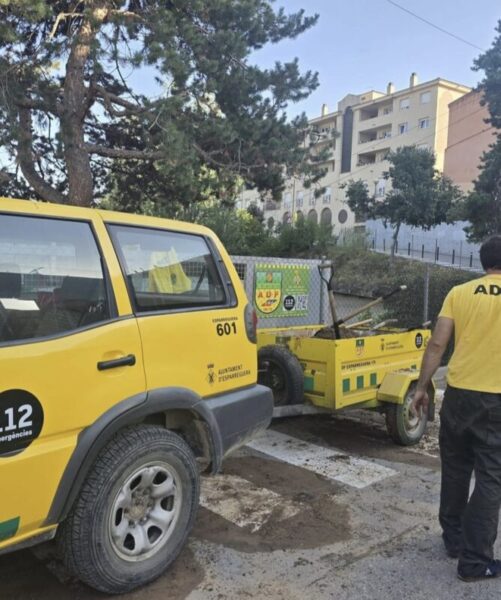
(482, 206)
(148, 100)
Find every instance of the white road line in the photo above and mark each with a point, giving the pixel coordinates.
(329, 462)
(243, 503)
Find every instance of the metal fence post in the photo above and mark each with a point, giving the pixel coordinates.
(321, 308)
(426, 296)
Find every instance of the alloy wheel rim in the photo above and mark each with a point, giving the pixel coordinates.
(145, 511)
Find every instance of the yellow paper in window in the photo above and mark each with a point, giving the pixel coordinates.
(166, 274)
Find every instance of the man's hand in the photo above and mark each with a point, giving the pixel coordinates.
(431, 361)
(420, 402)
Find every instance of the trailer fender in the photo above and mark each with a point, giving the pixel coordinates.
(395, 386)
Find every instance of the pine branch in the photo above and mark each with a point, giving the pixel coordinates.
(124, 153)
(109, 99)
(26, 160)
(74, 15)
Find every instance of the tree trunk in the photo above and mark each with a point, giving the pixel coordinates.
(76, 103)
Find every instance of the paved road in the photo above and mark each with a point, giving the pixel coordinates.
(318, 508)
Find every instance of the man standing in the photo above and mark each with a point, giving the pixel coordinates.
(470, 430)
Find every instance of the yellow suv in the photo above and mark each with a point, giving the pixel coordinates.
(128, 365)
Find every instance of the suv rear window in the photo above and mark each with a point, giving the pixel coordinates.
(51, 277)
(168, 270)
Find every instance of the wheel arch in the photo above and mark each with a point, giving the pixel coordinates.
(395, 386)
(177, 409)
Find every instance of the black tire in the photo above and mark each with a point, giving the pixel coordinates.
(281, 371)
(403, 428)
(88, 539)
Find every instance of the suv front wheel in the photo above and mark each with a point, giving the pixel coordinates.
(134, 512)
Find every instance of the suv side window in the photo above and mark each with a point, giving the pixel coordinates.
(51, 277)
(168, 270)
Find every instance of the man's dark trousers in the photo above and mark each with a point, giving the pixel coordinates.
(470, 442)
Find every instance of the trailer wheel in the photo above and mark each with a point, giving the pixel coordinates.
(281, 371)
(403, 426)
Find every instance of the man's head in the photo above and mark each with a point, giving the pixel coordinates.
(490, 253)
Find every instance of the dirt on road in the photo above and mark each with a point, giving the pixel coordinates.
(360, 526)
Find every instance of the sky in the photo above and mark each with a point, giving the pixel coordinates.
(359, 45)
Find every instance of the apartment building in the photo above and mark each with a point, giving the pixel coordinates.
(469, 136)
(368, 127)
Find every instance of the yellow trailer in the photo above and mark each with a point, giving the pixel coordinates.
(371, 370)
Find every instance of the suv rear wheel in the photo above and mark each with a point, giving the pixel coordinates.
(134, 512)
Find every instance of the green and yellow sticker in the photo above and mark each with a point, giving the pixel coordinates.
(9, 528)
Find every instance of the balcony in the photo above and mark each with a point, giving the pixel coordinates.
(371, 112)
(376, 110)
(380, 120)
(374, 135)
(371, 157)
(271, 205)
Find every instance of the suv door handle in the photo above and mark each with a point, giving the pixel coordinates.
(123, 361)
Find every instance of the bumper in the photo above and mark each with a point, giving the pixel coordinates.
(239, 416)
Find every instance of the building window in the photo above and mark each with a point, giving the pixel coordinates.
(342, 216)
(326, 198)
(299, 215)
(299, 199)
(424, 123)
(286, 219)
(380, 189)
(312, 216)
(403, 128)
(326, 216)
(387, 110)
(425, 97)
(405, 103)
(287, 200)
(313, 200)
(271, 223)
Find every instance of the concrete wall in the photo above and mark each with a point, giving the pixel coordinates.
(468, 138)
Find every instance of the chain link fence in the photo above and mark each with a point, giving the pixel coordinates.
(317, 301)
(318, 309)
(426, 287)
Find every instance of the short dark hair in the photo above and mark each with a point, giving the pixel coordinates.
(490, 253)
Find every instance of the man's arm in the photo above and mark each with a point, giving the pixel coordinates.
(431, 360)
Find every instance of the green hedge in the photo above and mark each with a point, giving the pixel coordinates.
(362, 272)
